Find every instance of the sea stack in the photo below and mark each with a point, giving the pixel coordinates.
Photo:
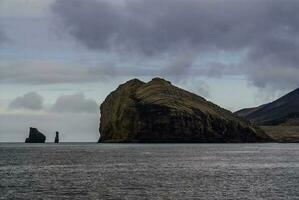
(35, 136)
(57, 137)
(158, 111)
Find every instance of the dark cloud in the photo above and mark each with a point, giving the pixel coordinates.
(75, 103)
(264, 31)
(155, 26)
(30, 100)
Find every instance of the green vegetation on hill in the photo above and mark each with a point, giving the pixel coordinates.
(283, 133)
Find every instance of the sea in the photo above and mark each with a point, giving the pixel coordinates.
(149, 171)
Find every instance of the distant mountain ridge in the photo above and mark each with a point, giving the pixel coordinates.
(283, 111)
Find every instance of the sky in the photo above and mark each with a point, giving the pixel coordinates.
(59, 59)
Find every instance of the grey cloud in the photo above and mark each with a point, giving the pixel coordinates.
(157, 25)
(180, 65)
(30, 100)
(45, 72)
(266, 30)
(196, 86)
(280, 77)
(75, 103)
(50, 72)
(2, 37)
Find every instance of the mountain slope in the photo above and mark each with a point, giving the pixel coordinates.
(157, 111)
(284, 110)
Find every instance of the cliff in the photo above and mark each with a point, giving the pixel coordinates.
(157, 111)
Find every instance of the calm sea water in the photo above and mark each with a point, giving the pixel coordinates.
(143, 171)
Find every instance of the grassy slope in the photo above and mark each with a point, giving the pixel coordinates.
(283, 133)
(161, 92)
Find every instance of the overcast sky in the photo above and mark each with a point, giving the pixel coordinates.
(59, 59)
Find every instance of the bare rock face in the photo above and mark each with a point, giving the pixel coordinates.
(157, 111)
(35, 136)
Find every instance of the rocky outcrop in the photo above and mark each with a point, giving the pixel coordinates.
(35, 136)
(157, 111)
(56, 137)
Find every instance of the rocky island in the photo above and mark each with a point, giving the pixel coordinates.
(158, 111)
(35, 136)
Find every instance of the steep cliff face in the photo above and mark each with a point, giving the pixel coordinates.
(35, 136)
(157, 111)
